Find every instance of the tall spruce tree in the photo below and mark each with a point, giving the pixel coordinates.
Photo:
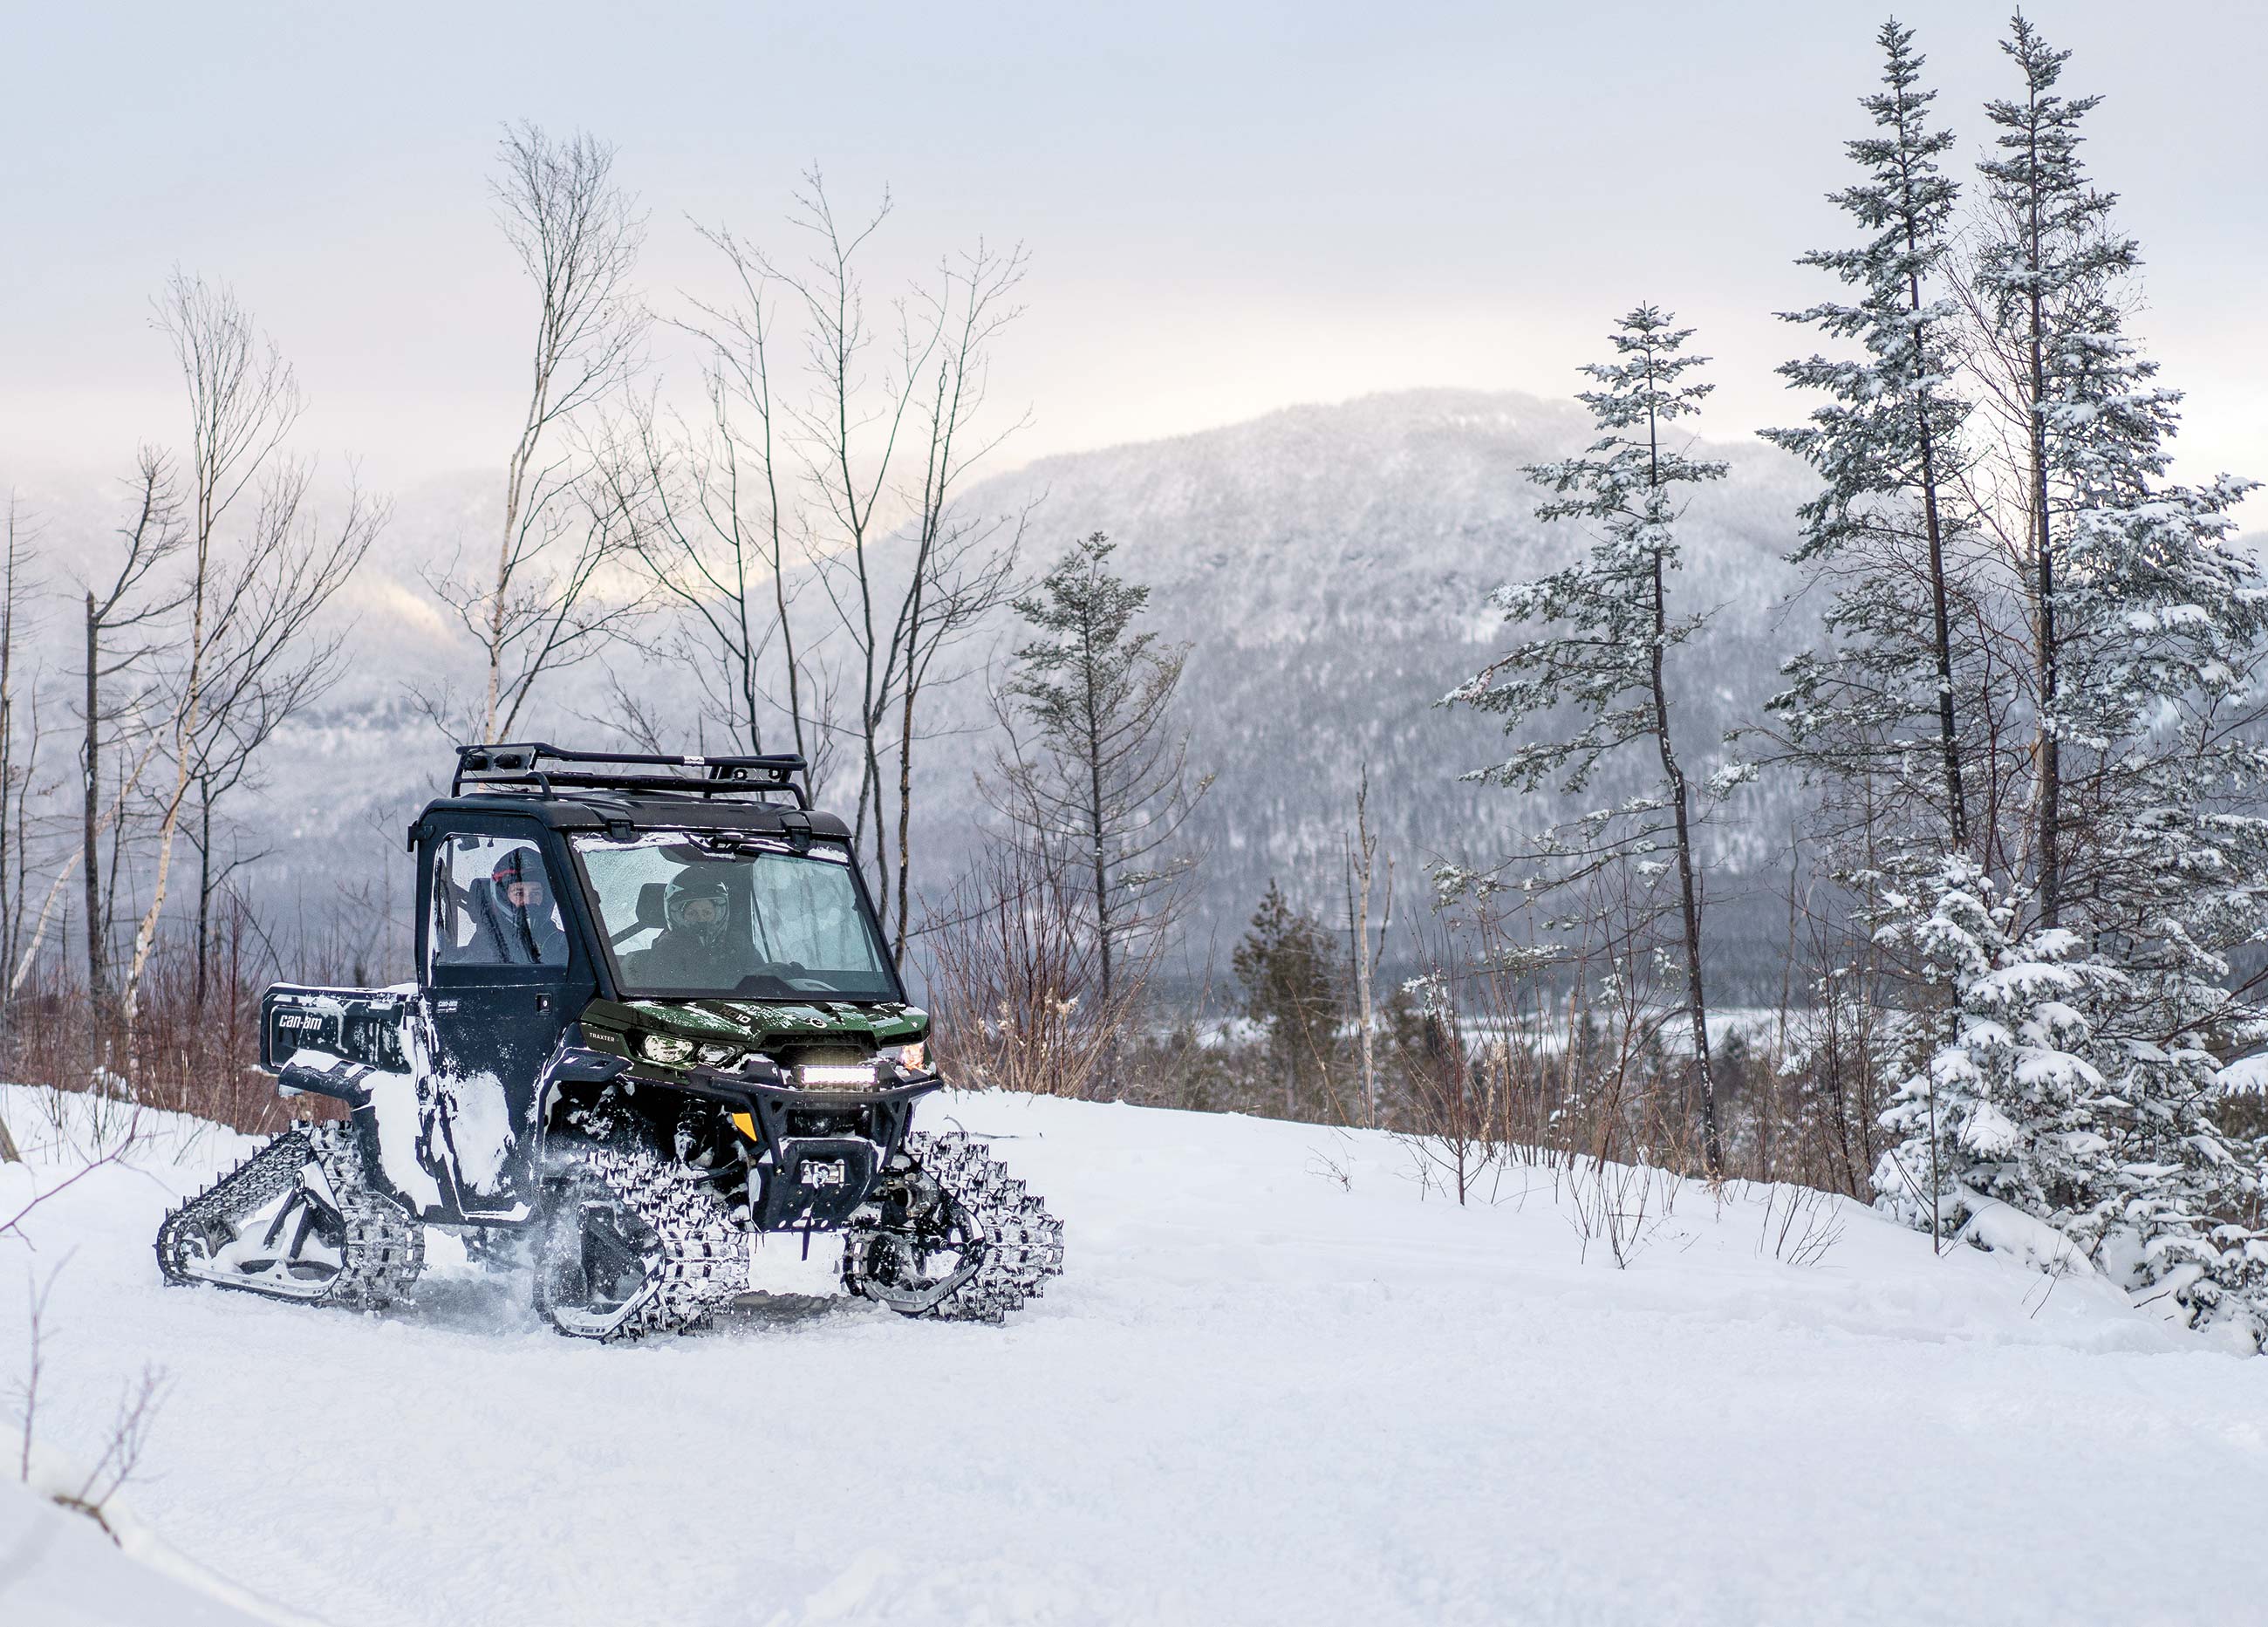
(2149, 619)
(1601, 657)
(2045, 271)
(1887, 521)
(1096, 779)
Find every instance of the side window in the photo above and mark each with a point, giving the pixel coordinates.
(494, 904)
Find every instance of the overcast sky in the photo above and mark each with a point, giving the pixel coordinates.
(1229, 208)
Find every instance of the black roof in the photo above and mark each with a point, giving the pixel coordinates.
(588, 791)
(595, 810)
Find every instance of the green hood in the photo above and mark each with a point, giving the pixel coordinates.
(760, 1025)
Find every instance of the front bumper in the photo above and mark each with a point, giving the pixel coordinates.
(823, 1150)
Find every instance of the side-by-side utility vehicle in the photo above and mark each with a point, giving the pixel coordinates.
(654, 1022)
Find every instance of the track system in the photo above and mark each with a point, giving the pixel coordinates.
(633, 1243)
(955, 1239)
(298, 1220)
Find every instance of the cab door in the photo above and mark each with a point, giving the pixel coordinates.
(501, 969)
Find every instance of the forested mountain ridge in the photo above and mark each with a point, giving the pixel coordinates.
(1328, 567)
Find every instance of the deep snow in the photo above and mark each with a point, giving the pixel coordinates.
(1262, 1393)
(58, 1570)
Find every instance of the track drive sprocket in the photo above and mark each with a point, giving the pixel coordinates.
(632, 1243)
(955, 1238)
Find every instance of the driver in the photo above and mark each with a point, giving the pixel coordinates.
(528, 924)
(696, 949)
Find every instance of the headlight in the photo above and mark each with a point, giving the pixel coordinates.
(835, 1076)
(719, 1055)
(671, 1048)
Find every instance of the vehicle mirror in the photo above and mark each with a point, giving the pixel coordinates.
(652, 907)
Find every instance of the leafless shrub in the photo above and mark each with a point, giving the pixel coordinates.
(1800, 1226)
(186, 1054)
(1619, 1205)
(1455, 1112)
(1016, 983)
(91, 1490)
(1336, 1166)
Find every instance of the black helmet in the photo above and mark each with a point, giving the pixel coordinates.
(690, 887)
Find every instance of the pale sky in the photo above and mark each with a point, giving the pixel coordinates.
(1229, 208)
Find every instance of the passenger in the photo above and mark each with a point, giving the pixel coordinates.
(527, 922)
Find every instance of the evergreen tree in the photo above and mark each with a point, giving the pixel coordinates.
(1285, 965)
(2046, 273)
(2148, 868)
(2030, 1090)
(2003, 1105)
(2149, 620)
(1886, 523)
(1096, 779)
(1608, 630)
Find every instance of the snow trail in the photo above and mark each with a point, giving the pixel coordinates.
(1255, 1395)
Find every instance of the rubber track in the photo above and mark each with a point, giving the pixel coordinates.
(1023, 1244)
(384, 1248)
(702, 1258)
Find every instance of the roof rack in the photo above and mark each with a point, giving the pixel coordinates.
(521, 766)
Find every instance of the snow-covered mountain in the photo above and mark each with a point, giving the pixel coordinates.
(1327, 565)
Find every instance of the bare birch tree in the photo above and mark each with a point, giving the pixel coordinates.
(13, 584)
(247, 608)
(17, 762)
(718, 538)
(271, 659)
(122, 618)
(1366, 878)
(544, 608)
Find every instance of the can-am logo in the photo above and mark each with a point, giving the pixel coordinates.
(816, 1175)
(299, 1022)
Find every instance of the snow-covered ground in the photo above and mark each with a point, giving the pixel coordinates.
(1278, 1383)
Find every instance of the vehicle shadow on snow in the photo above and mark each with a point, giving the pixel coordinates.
(471, 1299)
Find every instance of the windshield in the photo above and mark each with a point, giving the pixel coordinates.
(689, 915)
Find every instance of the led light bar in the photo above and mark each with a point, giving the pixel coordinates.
(835, 1076)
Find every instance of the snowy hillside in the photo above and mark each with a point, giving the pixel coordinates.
(1327, 564)
(1279, 1382)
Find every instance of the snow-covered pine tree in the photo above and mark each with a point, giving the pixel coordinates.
(1884, 530)
(2044, 273)
(2003, 1107)
(2037, 1119)
(2149, 859)
(1605, 632)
